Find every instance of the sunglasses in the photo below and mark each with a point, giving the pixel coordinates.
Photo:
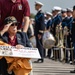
(14, 24)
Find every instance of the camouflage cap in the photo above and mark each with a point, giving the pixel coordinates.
(10, 19)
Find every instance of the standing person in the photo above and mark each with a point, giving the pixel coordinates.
(49, 20)
(48, 27)
(56, 21)
(38, 30)
(64, 24)
(73, 35)
(18, 8)
(69, 35)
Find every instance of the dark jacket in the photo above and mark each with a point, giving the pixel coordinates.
(64, 22)
(39, 23)
(22, 38)
(49, 23)
(69, 22)
(73, 31)
(55, 21)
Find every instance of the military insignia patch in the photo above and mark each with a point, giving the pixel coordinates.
(20, 6)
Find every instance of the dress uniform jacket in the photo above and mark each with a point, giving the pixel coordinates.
(20, 66)
(69, 22)
(56, 21)
(69, 25)
(49, 23)
(39, 23)
(64, 22)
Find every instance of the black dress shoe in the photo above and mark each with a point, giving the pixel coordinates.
(36, 61)
(39, 61)
(72, 71)
(48, 56)
(52, 58)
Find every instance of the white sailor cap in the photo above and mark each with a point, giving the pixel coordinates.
(39, 3)
(63, 10)
(69, 10)
(56, 8)
(49, 13)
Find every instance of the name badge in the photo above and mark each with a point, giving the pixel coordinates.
(20, 7)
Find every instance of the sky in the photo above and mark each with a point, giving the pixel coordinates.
(49, 4)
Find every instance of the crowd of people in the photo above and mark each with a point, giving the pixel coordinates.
(60, 23)
(50, 21)
(16, 28)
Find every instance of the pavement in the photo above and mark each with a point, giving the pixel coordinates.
(51, 67)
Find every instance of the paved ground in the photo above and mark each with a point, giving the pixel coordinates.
(50, 67)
